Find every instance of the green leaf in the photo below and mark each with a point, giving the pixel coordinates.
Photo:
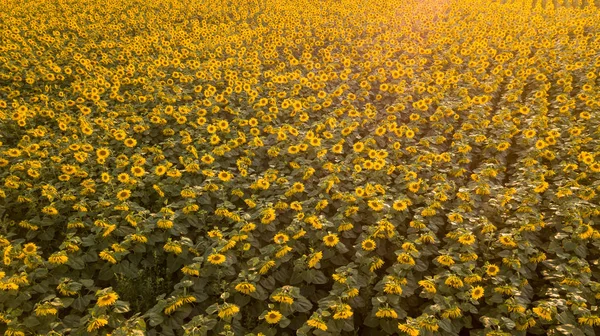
(87, 282)
(316, 277)
(565, 318)
(212, 309)
(581, 251)
(296, 278)
(155, 319)
(371, 321)
(569, 245)
(31, 321)
(284, 322)
(420, 266)
(389, 326)
(81, 303)
(76, 263)
(241, 300)
(446, 325)
(510, 324)
(121, 307)
(66, 302)
(47, 234)
(302, 305)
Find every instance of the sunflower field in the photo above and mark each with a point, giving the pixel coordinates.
(306, 167)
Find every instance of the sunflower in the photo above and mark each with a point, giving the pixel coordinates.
(283, 298)
(407, 329)
(211, 129)
(376, 264)
(29, 248)
(386, 312)
(358, 147)
(337, 149)
(137, 171)
(352, 292)
(445, 260)
(160, 170)
(280, 238)
(455, 217)
(216, 259)
(97, 323)
(298, 187)
(375, 205)
(266, 267)
(273, 317)
(268, 216)
(454, 281)
(590, 320)
(368, 245)
(13, 152)
(172, 247)
(477, 293)
(293, 149)
(540, 144)
(401, 205)
(503, 146)
(331, 240)
(317, 323)
(428, 286)
(452, 313)
(130, 142)
(102, 152)
(58, 258)
(359, 191)
(224, 176)
(105, 177)
(405, 259)
(575, 131)
(314, 259)
(245, 288)
(466, 239)
(414, 186)
(409, 247)
(296, 206)
(227, 310)
(188, 270)
(342, 312)
(528, 134)
(492, 270)
(108, 299)
(543, 312)
(507, 241)
(207, 159)
(123, 194)
(105, 255)
(123, 177)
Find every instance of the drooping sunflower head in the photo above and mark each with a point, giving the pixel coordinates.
(107, 299)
